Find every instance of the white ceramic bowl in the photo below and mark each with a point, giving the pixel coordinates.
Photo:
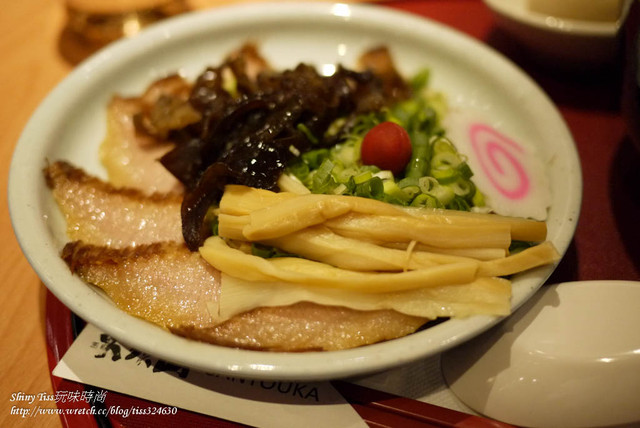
(70, 125)
(557, 41)
(570, 357)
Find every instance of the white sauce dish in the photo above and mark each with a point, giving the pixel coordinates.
(569, 357)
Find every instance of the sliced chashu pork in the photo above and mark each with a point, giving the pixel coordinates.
(305, 326)
(164, 283)
(137, 127)
(176, 289)
(98, 213)
(131, 157)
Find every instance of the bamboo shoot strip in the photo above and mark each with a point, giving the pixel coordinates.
(489, 296)
(522, 229)
(472, 253)
(322, 245)
(538, 255)
(231, 226)
(297, 213)
(405, 228)
(307, 272)
(242, 200)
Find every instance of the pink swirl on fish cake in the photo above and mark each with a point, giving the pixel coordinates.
(498, 158)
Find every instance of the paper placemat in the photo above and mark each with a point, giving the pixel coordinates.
(96, 359)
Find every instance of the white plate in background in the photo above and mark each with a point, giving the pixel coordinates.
(561, 41)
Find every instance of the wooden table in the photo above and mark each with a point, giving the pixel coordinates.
(36, 56)
(32, 65)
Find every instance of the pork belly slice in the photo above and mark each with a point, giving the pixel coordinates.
(305, 326)
(163, 283)
(166, 284)
(131, 157)
(250, 60)
(100, 214)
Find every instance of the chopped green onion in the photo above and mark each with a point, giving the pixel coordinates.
(307, 133)
(443, 145)
(384, 175)
(419, 164)
(410, 186)
(444, 194)
(314, 158)
(425, 200)
(340, 189)
(299, 169)
(395, 194)
(373, 188)
(436, 175)
(363, 177)
(465, 171)
(518, 246)
(268, 252)
(478, 199)
(408, 181)
(463, 188)
(459, 204)
(445, 159)
(322, 179)
(421, 80)
(445, 174)
(427, 184)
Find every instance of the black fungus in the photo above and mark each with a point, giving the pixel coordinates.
(249, 136)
